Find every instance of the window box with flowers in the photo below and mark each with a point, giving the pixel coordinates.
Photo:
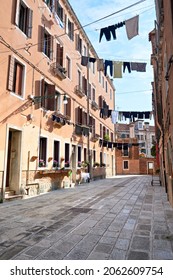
(67, 164)
(96, 164)
(42, 163)
(79, 164)
(85, 163)
(55, 164)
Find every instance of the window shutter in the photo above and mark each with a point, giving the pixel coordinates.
(89, 91)
(11, 73)
(68, 112)
(29, 23)
(100, 101)
(51, 98)
(16, 19)
(40, 38)
(76, 115)
(72, 31)
(66, 24)
(59, 55)
(51, 47)
(77, 41)
(42, 90)
(38, 93)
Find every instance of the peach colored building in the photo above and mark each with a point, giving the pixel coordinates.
(161, 38)
(51, 98)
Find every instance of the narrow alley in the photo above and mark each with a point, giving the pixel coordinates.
(118, 218)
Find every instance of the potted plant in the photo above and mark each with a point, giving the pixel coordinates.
(67, 164)
(96, 164)
(79, 163)
(85, 163)
(106, 137)
(41, 163)
(55, 163)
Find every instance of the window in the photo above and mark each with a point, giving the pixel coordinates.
(93, 94)
(70, 28)
(79, 156)
(43, 152)
(125, 151)
(48, 44)
(79, 78)
(23, 18)
(59, 10)
(84, 84)
(85, 154)
(59, 54)
(101, 131)
(84, 51)
(110, 94)
(106, 86)
(57, 101)
(56, 154)
(125, 164)
(94, 156)
(78, 43)
(67, 155)
(68, 67)
(100, 77)
(48, 100)
(103, 82)
(16, 77)
(139, 125)
(67, 108)
(101, 158)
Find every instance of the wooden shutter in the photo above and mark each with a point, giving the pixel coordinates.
(59, 54)
(38, 93)
(51, 98)
(77, 41)
(51, 47)
(89, 91)
(16, 19)
(41, 30)
(100, 101)
(68, 108)
(29, 23)
(11, 73)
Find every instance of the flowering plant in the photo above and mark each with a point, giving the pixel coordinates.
(79, 163)
(67, 163)
(55, 163)
(41, 163)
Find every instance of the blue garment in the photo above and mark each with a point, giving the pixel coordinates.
(110, 64)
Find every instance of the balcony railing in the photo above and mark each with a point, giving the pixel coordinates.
(79, 91)
(58, 70)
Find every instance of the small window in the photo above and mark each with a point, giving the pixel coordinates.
(48, 100)
(70, 29)
(125, 164)
(67, 155)
(56, 154)
(48, 44)
(125, 151)
(93, 94)
(106, 86)
(79, 156)
(78, 44)
(68, 67)
(110, 94)
(59, 10)
(43, 152)
(16, 77)
(59, 54)
(23, 18)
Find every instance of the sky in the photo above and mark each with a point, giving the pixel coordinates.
(133, 91)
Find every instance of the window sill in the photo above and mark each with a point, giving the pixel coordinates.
(59, 171)
(16, 95)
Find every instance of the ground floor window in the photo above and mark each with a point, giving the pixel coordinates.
(125, 164)
(56, 154)
(67, 155)
(42, 152)
(79, 155)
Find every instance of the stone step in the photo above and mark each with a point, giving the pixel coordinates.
(9, 193)
(13, 197)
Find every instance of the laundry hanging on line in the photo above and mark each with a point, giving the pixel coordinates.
(135, 114)
(132, 29)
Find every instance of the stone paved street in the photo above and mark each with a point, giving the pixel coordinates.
(116, 218)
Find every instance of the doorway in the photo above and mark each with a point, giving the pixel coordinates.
(150, 168)
(13, 161)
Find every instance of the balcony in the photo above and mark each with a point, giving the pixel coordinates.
(58, 70)
(94, 106)
(79, 91)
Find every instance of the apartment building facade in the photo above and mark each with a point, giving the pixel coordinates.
(133, 153)
(161, 38)
(50, 122)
